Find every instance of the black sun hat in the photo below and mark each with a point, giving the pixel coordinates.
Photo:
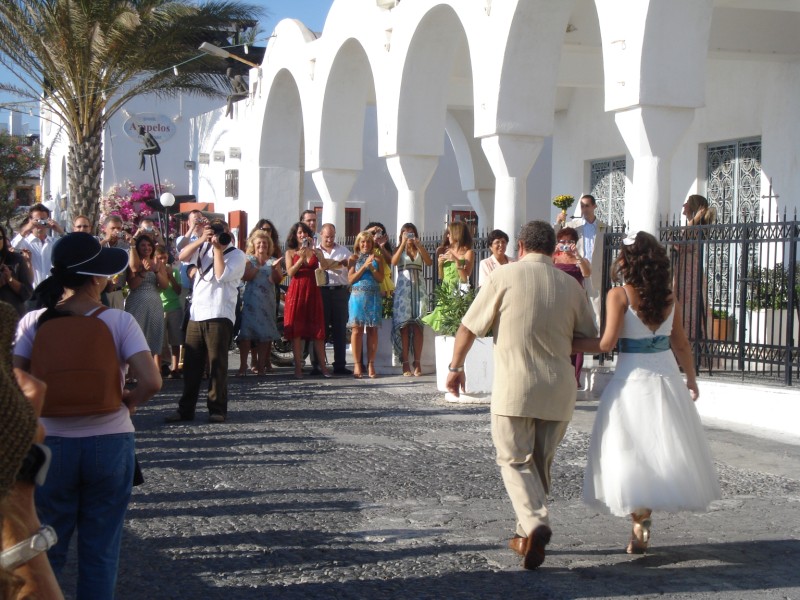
(80, 253)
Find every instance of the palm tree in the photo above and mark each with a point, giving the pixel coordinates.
(84, 59)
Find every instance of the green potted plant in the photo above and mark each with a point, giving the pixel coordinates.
(721, 324)
(768, 304)
(479, 365)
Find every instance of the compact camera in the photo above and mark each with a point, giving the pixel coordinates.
(201, 221)
(565, 247)
(120, 234)
(410, 235)
(41, 222)
(307, 243)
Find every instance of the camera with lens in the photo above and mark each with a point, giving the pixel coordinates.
(222, 236)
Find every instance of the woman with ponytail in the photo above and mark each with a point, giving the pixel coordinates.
(88, 486)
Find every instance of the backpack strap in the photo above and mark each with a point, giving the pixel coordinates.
(98, 311)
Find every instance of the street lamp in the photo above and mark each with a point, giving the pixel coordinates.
(221, 53)
(167, 199)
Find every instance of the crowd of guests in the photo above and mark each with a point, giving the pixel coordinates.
(196, 297)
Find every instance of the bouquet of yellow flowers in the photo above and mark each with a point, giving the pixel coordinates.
(563, 202)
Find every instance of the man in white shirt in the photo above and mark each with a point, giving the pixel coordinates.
(591, 233)
(196, 222)
(37, 237)
(335, 298)
(115, 237)
(219, 269)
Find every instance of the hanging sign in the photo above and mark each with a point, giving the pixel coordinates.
(160, 127)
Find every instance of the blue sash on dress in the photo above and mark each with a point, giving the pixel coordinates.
(657, 343)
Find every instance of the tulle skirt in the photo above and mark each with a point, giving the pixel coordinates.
(648, 447)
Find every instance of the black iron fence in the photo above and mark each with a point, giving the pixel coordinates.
(738, 287)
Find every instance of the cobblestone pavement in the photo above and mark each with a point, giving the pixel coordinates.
(380, 489)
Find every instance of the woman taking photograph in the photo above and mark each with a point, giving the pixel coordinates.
(648, 449)
(567, 259)
(383, 247)
(455, 264)
(365, 304)
(409, 298)
(89, 483)
(15, 276)
(303, 317)
(258, 327)
(498, 242)
(146, 278)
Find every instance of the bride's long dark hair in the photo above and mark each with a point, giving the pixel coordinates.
(645, 266)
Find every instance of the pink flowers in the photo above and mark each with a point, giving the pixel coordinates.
(129, 202)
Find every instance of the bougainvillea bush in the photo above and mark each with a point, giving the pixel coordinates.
(17, 161)
(130, 202)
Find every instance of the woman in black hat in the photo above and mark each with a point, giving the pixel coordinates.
(89, 483)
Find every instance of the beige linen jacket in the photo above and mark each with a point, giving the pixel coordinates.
(534, 310)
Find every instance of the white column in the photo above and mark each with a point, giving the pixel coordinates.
(411, 175)
(651, 134)
(511, 158)
(279, 195)
(334, 186)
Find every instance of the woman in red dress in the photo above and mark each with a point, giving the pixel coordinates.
(303, 318)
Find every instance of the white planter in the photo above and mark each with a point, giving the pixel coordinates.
(478, 369)
(768, 326)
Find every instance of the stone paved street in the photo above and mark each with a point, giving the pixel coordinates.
(380, 489)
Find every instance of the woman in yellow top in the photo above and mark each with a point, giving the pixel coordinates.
(383, 248)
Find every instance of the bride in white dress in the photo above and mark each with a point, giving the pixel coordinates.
(648, 450)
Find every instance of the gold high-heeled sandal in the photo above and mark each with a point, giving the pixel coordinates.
(640, 533)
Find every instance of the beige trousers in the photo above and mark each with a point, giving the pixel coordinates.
(525, 450)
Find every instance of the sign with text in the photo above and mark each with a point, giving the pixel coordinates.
(160, 127)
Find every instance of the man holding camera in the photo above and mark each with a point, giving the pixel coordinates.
(37, 237)
(219, 268)
(335, 298)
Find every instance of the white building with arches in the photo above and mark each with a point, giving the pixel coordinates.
(413, 110)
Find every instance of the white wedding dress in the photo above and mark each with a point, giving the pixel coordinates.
(648, 447)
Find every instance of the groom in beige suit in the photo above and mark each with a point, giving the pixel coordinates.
(534, 310)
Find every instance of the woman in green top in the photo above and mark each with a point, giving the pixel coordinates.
(173, 311)
(455, 262)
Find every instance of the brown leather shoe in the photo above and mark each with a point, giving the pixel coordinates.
(534, 547)
(517, 544)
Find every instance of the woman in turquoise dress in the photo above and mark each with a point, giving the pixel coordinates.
(365, 304)
(262, 273)
(455, 262)
(409, 298)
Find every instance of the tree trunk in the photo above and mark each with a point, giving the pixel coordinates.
(85, 173)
